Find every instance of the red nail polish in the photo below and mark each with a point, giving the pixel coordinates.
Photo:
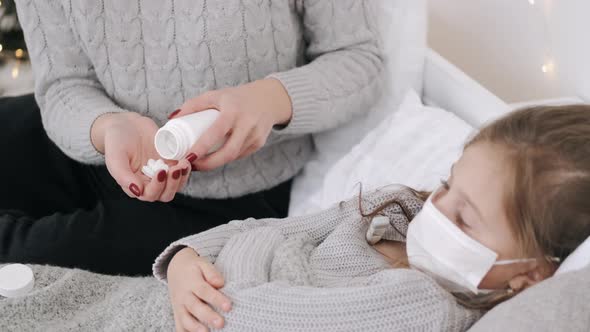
(191, 157)
(176, 174)
(135, 189)
(162, 176)
(173, 114)
(185, 171)
(194, 168)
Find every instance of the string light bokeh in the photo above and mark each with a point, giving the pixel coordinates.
(548, 66)
(12, 44)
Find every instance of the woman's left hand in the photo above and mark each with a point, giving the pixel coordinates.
(247, 116)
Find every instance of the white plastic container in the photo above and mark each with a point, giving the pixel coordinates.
(177, 136)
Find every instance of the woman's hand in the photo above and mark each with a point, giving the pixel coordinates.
(193, 284)
(127, 141)
(247, 116)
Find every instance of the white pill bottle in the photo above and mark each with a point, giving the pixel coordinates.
(177, 136)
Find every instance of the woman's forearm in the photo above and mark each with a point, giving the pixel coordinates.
(344, 77)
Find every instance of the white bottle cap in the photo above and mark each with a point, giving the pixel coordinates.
(16, 280)
(171, 141)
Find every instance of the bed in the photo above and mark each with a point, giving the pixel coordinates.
(67, 299)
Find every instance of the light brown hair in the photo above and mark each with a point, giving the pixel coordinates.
(548, 201)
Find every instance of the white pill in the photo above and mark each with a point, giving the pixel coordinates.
(16, 280)
(148, 171)
(153, 167)
(160, 163)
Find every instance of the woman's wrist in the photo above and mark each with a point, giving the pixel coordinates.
(280, 99)
(103, 123)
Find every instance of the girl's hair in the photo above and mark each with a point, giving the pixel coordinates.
(547, 199)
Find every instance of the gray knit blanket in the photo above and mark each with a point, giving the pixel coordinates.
(76, 300)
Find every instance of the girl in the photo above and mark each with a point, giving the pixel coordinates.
(514, 206)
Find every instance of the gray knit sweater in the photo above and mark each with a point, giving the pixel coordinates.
(149, 56)
(315, 273)
(318, 273)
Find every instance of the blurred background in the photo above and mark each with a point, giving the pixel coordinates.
(522, 50)
(15, 69)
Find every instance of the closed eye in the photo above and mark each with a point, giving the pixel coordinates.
(458, 219)
(445, 184)
(461, 222)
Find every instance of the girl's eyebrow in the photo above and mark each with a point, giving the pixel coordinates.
(462, 194)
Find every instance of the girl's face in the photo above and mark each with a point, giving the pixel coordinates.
(473, 198)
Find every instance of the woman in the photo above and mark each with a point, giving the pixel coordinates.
(109, 73)
(513, 207)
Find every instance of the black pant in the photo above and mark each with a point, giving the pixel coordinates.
(54, 210)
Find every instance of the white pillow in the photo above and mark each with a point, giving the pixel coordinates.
(414, 146)
(403, 27)
(577, 260)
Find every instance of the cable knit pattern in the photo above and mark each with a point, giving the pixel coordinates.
(318, 273)
(149, 56)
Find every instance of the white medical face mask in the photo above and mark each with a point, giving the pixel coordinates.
(437, 247)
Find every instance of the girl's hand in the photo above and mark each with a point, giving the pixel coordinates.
(127, 141)
(247, 116)
(193, 284)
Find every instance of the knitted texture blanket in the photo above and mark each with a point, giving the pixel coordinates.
(309, 273)
(150, 56)
(75, 300)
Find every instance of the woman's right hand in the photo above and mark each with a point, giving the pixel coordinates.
(193, 283)
(127, 141)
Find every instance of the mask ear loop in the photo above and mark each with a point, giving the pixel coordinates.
(513, 261)
(525, 260)
(478, 301)
(484, 301)
(489, 300)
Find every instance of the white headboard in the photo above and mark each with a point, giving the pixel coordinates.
(447, 87)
